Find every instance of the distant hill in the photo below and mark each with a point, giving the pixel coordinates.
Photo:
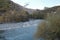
(52, 9)
(41, 14)
(30, 11)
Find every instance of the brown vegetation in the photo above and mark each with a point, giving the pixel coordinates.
(50, 28)
(12, 12)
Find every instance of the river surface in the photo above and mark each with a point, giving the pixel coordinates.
(19, 31)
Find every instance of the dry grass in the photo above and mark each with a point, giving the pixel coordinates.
(50, 29)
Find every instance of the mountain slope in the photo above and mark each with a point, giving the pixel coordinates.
(12, 12)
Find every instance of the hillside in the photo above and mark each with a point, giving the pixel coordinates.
(30, 11)
(12, 12)
(41, 14)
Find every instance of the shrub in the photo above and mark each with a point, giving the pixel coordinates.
(38, 15)
(1, 19)
(50, 28)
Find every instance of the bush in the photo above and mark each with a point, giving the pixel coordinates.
(50, 28)
(14, 16)
(38, 15)
(1, 19)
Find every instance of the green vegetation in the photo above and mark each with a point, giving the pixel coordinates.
(50, 28)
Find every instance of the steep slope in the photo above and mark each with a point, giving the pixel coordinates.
(12, 12)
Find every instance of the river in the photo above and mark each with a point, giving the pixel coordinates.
(19, 31)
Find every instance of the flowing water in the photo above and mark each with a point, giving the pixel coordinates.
(18, 31)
